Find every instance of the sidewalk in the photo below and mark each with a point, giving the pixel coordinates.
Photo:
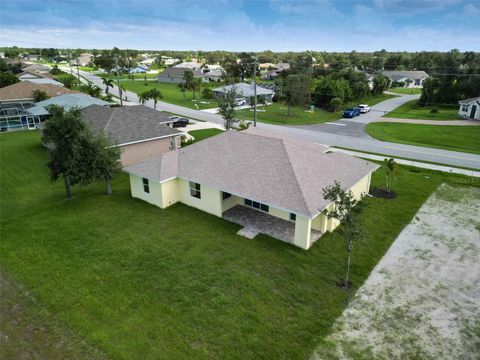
(418, 164)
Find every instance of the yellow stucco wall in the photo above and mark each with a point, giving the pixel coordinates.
(170, 194)
(210, 201)
(302, 232)
(134, 153)
(282, 214)
(136, 188)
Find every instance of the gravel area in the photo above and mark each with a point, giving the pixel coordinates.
(422, 300)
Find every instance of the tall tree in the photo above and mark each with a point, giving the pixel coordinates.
(226, 108)
(295, 91)
(346, 209)
(155, 95)
(390, 166)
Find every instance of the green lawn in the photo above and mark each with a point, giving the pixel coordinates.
(448, 137)
(171, 93)
(204, 133)
(138, 282)
(411, 110)
(406, 91)
(277, 112)
(138, 77)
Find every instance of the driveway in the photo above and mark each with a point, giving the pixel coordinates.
(422, 299)
(350, 136)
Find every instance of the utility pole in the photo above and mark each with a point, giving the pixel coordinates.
(78, 71)
(70, 62)
(255, 93)
(118, 80)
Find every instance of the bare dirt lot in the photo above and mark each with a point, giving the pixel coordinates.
(422, 300)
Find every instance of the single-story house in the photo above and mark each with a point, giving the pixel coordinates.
(68, 101)
(175, 75)
(263, 180)
(168, 61)
(82, 60)
(147, 61)
(275, 71)
(266, 66)
(43, 80)
(189, 65)
(139, 131)
(213, 76)
(138, 70)
(413, 79)
(16, 100)
(36, 68)
(244, 91)
(470, 108)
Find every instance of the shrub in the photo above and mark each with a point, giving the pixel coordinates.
(335, 104)
(434, 111)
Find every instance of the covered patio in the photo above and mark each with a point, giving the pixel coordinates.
(255, 222)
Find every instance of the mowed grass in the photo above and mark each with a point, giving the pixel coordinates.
(171, 93)
(277, 113)
(203, 134)
(139, 282)
(411, 110)
(448, 137)
(406, 91)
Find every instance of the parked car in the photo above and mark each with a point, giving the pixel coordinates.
(240, 102)
(351, 112)
(180, 122)
(364, 108)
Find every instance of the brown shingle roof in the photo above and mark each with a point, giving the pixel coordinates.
(267, 167)
(23, 90)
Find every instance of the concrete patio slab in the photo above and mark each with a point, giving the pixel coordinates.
(260, 222)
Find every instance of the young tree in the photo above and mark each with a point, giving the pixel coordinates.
(39, 95)
(345, 209)
(380, 84)
(226, 108)
(182, 88)
(91, 90)
(143, 97)
(108, 84)
(390, 167)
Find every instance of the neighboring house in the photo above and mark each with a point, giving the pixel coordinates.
(275, 71)
(244, 91)
(189, 65)
(139, 131)
(138, 70)
(36, 68)
(266, 66)
(413, 79)
(43, 80)
(68, 101)
(32, 57)
(16, 101)
(168, 61)
(82, 60)
(175, 75)
(263, 176)
(213, 75)
(147, 62)
(470, 108)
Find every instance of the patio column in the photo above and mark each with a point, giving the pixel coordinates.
(303, 226)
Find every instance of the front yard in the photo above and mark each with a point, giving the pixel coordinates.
(448, 137)
(138, 282)
(277, 112)
(411, 110)
(406, 91)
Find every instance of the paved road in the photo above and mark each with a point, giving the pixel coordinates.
(350, 136)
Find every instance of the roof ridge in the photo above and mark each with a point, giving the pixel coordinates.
(295, 175)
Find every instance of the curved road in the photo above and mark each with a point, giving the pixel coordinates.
(346, 133)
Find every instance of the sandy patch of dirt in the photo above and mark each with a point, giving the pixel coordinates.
(422, 300)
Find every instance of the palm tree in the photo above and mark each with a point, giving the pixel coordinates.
(123, 90)
(155, 95)
(108, 83)
(390, 166)
(91, 90)
(143, 97)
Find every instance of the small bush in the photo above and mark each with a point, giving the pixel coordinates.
(434, 111)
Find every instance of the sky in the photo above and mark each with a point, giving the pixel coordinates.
(242, 25)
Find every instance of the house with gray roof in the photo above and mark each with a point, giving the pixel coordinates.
(244, 90)
(139, 131)
(413, 79)
(67, 101)
(175, 75)
(268, 182)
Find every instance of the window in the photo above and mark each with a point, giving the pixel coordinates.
(146, 186)
(464, 108)
(195, 190)
(293, 216)
(256, 205)
(226, 195)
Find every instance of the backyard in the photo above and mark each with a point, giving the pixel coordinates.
(448, 137)
(411, 110)
(276, 113)
(137, 282)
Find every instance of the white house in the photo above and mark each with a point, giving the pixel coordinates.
(411, 79)
(470, 108)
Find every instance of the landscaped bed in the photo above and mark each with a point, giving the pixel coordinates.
(139, 282)
(448, 137)
(411, 110)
